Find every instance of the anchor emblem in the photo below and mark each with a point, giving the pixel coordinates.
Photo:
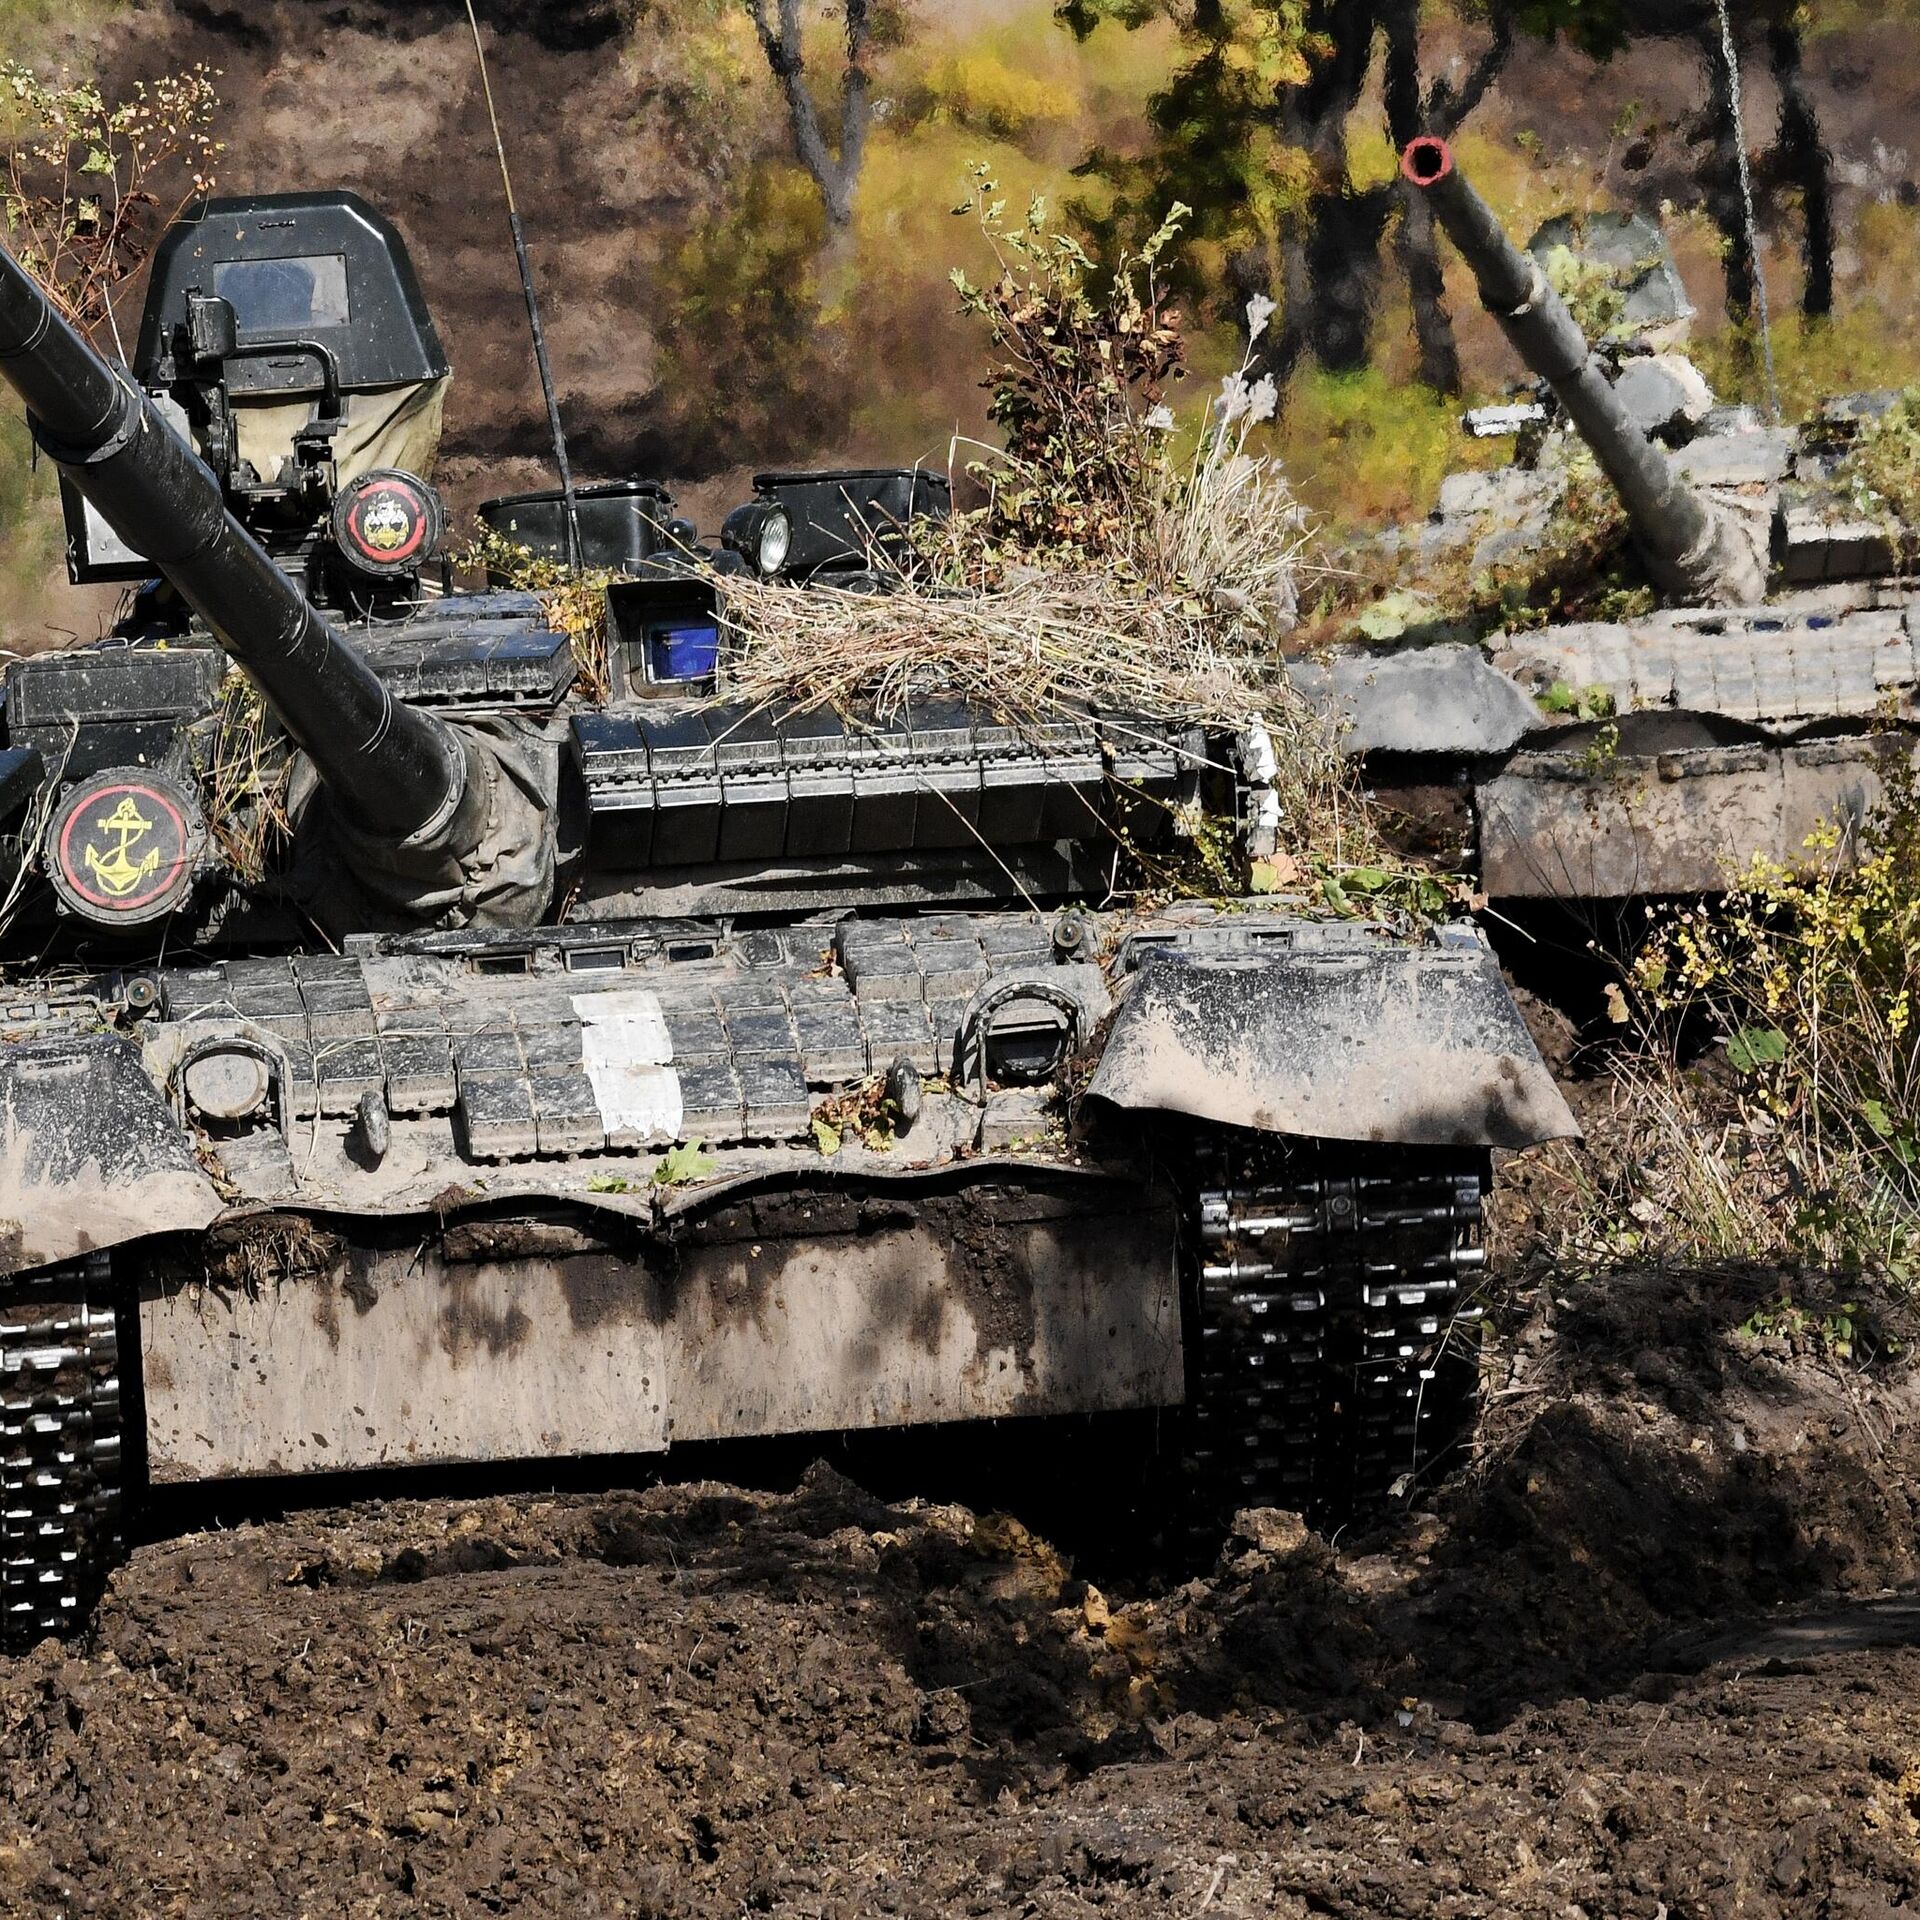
(118, 872)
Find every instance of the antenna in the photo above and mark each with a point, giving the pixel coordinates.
(570, 503)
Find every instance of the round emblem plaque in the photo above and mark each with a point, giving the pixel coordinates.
(387, 522)
(123, 846)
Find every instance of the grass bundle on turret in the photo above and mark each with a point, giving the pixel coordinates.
(1112, 564)
(1183, 626)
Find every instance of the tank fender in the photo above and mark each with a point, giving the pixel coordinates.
(1416, 1046)
(90, 1156)
(1437, 699)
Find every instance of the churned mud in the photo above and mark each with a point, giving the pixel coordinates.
(1650, 1655)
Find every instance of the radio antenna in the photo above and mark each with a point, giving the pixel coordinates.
(568, 500)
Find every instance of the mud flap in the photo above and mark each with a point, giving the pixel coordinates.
(1687, 821)
(400, 1342)
(90, 1157)
(1415, 1046)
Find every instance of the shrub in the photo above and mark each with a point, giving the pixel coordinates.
(1077, 383)
(980, 91)
(1807, 975)
(1883, 464)
(90, 180)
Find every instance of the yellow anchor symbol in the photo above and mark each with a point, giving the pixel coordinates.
(117, 873)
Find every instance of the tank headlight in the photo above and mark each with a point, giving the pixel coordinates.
(760, 533)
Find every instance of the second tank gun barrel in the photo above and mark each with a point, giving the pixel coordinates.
(399, 777)
(1688, 545)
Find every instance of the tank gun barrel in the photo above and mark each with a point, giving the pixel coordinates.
(399, 777)
(1688, 545)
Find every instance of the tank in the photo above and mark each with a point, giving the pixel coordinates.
(596, 1065)
(1756, 688)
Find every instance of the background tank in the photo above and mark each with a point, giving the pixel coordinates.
(1757, 691)
(601, 1063)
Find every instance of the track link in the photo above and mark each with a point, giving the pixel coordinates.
(61, 1424)
(1335, 1351)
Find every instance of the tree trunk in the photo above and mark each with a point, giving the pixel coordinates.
(1417, 247)
(1343, 275)
(836, 175)
(1333, 259)
(1330, 266)
(1720, 182)
(1806, 163)
(1440, 110)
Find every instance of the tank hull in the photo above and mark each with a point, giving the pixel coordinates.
(1606, 761)
(523, 1197)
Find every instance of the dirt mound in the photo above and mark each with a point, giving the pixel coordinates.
(1532, 1699)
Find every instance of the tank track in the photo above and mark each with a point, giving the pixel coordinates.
(61, 1421)
(1335, 1357)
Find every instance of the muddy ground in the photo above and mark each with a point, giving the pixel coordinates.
(1647, 1657)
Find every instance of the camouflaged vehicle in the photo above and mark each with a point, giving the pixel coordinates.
(485, 1118)
(1597, 761)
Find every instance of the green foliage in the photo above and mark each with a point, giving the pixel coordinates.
(1221, 142)
(1577, 703)
(1835, 1335)
(1595, 293)
(575, 603)
(1367, 446)
(1751, 1048)
(683, 1165)
(1381, 892)
(750, 369)
(1871, 340)
(1579, 565)
(1883, 465)
(1599, 28)
(88, 182)
(1833, 18)
(979, 89)
(1391, 616)
(868, 1114)
(1810, 973)
(1582, 567)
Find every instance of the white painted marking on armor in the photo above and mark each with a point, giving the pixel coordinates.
(637, 1009)
(627, 1052)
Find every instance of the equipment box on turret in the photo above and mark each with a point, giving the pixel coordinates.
(109, 707)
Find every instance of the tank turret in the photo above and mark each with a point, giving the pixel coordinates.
(412, 792)
(1694, 550)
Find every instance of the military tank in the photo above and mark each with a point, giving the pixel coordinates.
(487, 1116)
(1759, 695)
